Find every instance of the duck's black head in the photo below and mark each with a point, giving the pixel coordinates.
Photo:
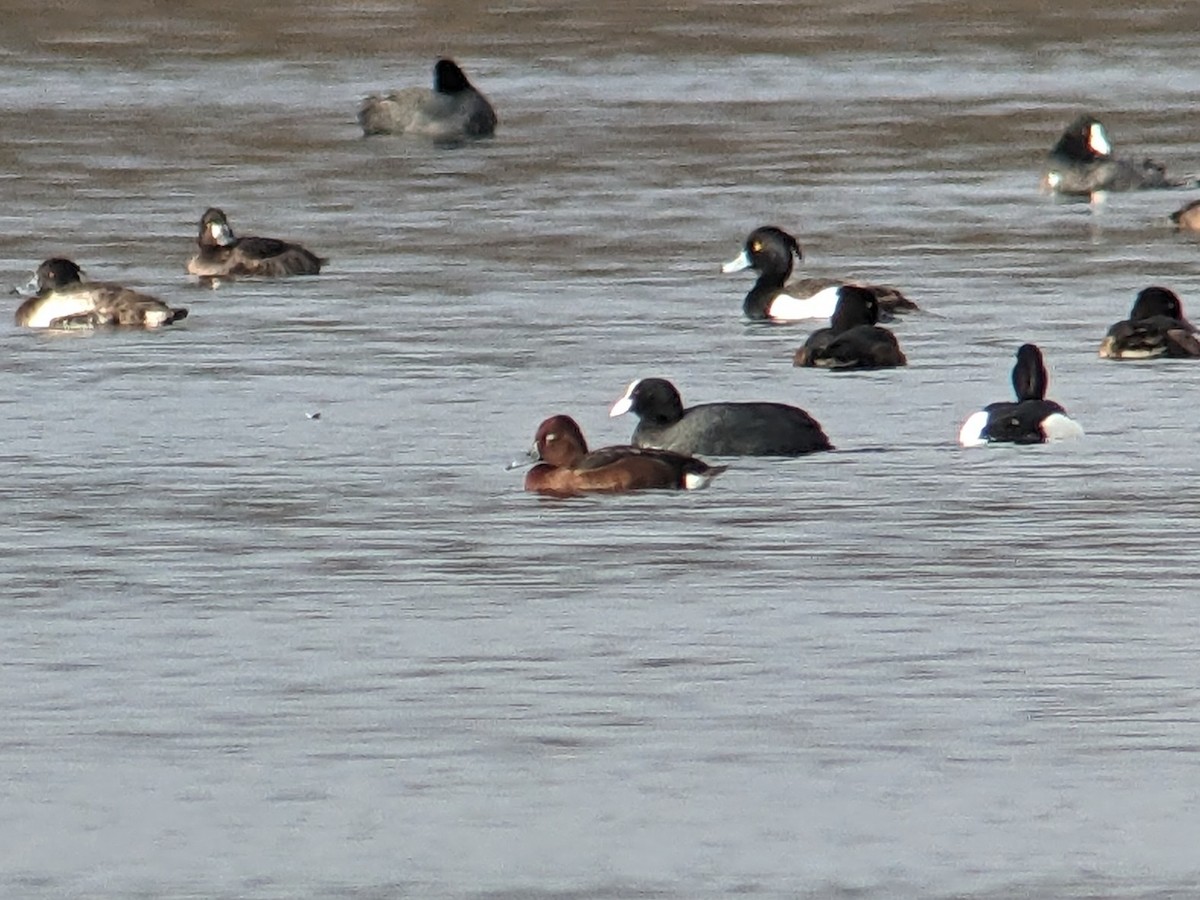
(448, 78)
(856, 306)
(1156, 301)
(56, 273)
(1029, 374)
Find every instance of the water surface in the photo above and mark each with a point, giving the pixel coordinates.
(251, 653)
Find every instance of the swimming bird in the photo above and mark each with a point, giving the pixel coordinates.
(64, 300)
(770, 251)
(1187, 218)
(853, 340)
(453, 110)
(565, 468)
(1032, 419)
(717, 429)
(1156, 327)
(222, 254)
(1082, 163)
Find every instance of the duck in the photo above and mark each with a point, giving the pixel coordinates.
(565, 468)
(717, 429)
(1082, 163)
(64, 300)
(223, 255)
(453, 110)
(1156, 327)
(853, 340)
(1032, 419)
(769, 250)
(1187, 218)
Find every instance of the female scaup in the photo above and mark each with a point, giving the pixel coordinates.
(1156, 327)
(223, 255)
(1082, 163)
(565, 468)
(1187, 218)
(717, 429)
(64, 300)
(769, 251)
(453, 110)
(853, 340)
(1031, 420)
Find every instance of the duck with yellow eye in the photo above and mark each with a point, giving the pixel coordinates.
(65, 300)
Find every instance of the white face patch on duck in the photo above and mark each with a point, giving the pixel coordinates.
(625, 404)
(737, 265)
(221, 233)
(1098, 140)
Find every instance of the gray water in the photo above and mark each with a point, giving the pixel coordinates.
(245, 652)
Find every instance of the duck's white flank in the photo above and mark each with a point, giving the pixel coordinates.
(971, 433)
(1058, 427)
(820, 305)
(56, 306)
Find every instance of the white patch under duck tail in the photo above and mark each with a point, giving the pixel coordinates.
(1098, 140)
(736, 265)
(625, 404)
(971, 433)
(820, 305)
(1060, 427)
(695, 481)
(221, 233)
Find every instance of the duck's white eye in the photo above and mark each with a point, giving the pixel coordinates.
(551, 436)
(756, 246)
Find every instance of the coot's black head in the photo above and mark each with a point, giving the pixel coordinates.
(1085, 140)
(653, 400)
(448, 78)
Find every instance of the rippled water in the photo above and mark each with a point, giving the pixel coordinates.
(249, 653)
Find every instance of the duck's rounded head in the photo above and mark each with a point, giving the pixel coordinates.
(448, 78)
(214, 228)
(856, 306)
(767, 249)
(1156, 301)
(559, 441)
(56, 273)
